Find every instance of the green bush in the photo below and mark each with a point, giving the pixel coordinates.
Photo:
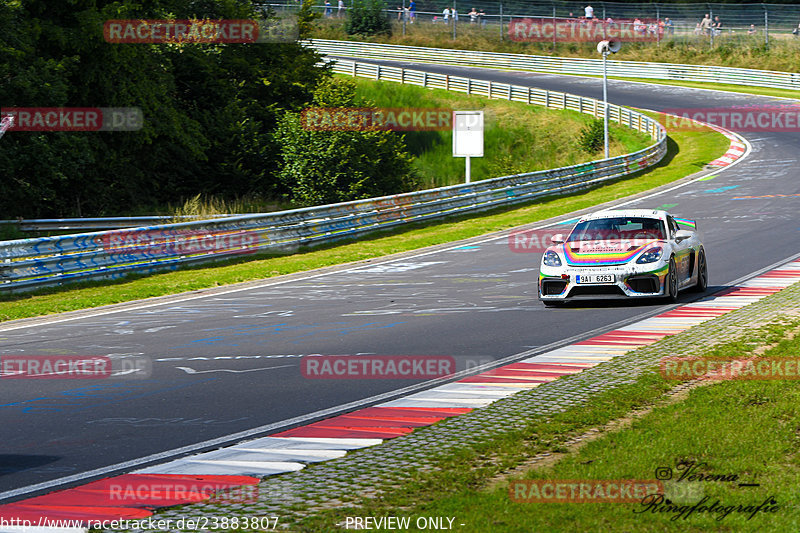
(366, 17)
(591, 137)
(321, 167)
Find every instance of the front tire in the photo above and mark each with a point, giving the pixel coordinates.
(671, 283)
(702, 273)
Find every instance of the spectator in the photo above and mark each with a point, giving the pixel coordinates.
(399, 13)
(454, 14)
(482, 18)
(446, 15)
(340, 12)
(328, 9)
(473, 16)
(795, 32)
(669, 26)
(638, 27)
(751, 30)
(705, 25)
(588, 12)
(717, 26)
(412, 11)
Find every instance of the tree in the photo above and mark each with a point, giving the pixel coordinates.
(368, 18)
(321, 167)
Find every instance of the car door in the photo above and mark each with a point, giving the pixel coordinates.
(684, 259)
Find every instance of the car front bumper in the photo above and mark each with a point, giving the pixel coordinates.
(630, 281)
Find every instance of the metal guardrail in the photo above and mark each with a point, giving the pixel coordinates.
(559, 65)
(64, 224)
(30, 263)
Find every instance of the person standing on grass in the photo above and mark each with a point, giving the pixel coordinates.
(482, 18)
(454, 14)
(473, 16)
(446, 15)
(588, 12)
(669, 26)
(412, 11)
(705, 25)
(340, 13)
(328, 9)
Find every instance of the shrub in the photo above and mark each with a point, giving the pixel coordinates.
(591, 137)
(366, 17)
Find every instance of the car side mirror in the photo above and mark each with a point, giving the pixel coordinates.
(682, 235)
(558, 238)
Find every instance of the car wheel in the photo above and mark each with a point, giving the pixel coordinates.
(672, 282)
(702, 273)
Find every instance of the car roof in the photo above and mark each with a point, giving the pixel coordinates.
(611, 213)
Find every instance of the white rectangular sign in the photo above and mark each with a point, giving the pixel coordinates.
(467, 133)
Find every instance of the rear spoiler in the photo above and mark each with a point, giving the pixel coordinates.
(687, 224)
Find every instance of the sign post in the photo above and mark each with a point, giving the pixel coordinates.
(468, 136)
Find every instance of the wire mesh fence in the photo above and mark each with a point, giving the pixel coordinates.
(754, 24)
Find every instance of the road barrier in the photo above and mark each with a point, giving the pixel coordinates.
(559, 65)
(30, 263)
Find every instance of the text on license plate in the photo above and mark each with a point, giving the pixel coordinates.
(595, 278)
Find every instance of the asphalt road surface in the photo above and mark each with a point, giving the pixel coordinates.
(230, 362)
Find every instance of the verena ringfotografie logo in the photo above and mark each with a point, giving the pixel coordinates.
(376, 119)
(73, 118)
(377, 367)
(583, 490)
(582, 30)
(205, 31)
(179, 242)
(739, 368)
(777, 118)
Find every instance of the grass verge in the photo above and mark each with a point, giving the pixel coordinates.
(688, 152)
(746, 431)
(518, 137)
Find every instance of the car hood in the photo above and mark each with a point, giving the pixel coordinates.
(604, 252)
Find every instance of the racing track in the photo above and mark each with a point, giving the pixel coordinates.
(476, 303)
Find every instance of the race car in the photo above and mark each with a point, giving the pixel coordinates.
(624, 253)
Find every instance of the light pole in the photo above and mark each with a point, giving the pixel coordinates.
(606, 47)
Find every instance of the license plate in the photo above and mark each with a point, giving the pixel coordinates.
(595, 278)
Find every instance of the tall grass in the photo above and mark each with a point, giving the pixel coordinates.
(518, 138)
(205, 206)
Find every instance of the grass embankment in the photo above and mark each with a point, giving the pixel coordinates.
(518, 137)
(731, 51)
(745, 431)
(688, 153)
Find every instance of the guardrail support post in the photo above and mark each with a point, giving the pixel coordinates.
(447, 82)
(509, 92)
(490, 89)
(425, 79)
(378, 73)
(469, 87)
(402, 75)
(546, 97)
(355, 68)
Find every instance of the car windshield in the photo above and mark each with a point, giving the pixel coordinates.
(615, 228)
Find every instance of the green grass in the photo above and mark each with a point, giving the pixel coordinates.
(518, 137)
(745, 428)
(687, 153)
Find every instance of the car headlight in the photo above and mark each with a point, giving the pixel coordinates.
(650, 256)
(551, 259)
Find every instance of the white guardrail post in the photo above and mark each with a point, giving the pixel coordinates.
(30, 263)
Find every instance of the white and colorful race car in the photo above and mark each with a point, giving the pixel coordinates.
(625, 253)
